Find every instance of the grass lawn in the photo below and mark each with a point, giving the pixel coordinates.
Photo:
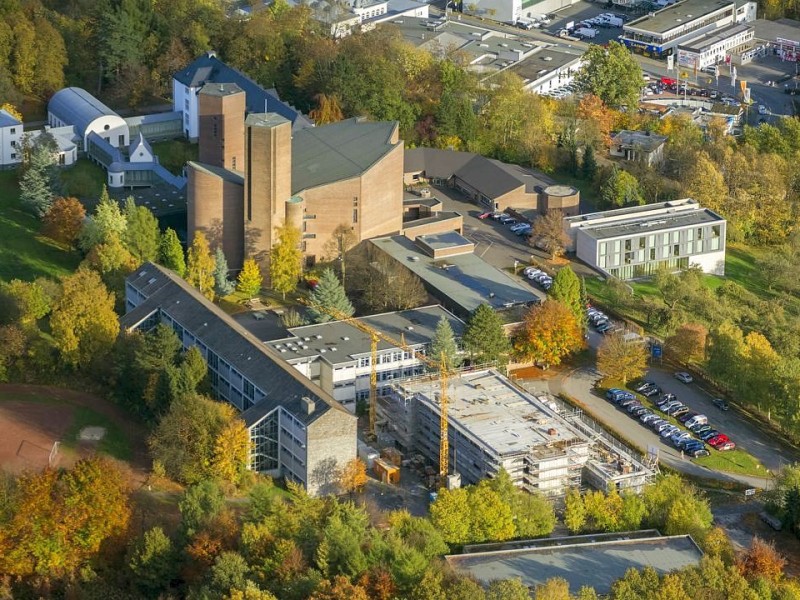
(173, 154)
(84, 180)
(114, 443)
(587, 188)
(733, 461)
(24, 254)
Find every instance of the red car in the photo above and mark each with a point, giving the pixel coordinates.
(485, 215)
(725, 446)
(717, 440)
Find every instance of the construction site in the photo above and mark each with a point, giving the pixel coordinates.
(494, 424)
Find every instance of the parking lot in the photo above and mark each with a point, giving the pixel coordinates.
(581, 11)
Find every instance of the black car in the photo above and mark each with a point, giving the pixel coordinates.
(640, 387)
(633, 406)
(639, 411)
(721, 404)
(709, 434)
(665, 399)
(686, 416)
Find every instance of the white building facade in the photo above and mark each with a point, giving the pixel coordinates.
(711, 49)
(11, 130)
(659, 34)
(634, 242)
(78, 108)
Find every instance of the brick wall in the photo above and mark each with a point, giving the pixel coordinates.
(331, 443)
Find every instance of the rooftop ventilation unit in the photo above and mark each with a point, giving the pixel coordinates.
(318, 336)
(334, 349)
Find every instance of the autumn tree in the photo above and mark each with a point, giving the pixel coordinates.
(574, 511)
(83, 322)
(141, 232)
(200, 266)
(113, 261)
(353, 476)
(484, 337)
(548, 334)
(675, 507)
(548, 233)
(200, 438)
(327, 111)
(61, 519)
(285, 266)
(250, 279)
(13, 349)
(620, 358)
(688, 343)
(705, 183)
(762, 560)
(449, 514)
(39, 182)
(597, 121)
(170, 252)
(63, 220)
(508, 589)
(329, 297)
(620, 189)
(555, 588)
(612, 74)
(29, 299)
(380, 283)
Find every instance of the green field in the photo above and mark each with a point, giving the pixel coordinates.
(174, 154)
(24, 254)
(114, 443)
(83, 180)
(733, 461)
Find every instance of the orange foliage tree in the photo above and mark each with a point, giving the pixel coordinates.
(598, 119)
(339, 589)
(549, 333)
(63, 221)
(762, 560)
(60, 520)
(688, 343)
(353, 476)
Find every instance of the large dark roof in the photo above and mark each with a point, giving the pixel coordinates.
(281, 383)
(434, 162)
(207, 68)
(339, 151)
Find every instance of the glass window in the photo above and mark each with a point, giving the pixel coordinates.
(651, 241)
(642, 242)
(602, 248)
(652, 253)
(690, 235)
(716, 231)
(715, 243)
(699, 233)
(628, 245)
(675, 236)
(616, 246)
(676, 250)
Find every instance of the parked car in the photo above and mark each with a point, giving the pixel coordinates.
(605, 327)
(685, 417)
(700, 429)
(666, 399)
(698, 453)
(678, 436)
(640, 411)
(656, 423)
(633, 406)
(696, 421)
(725, 447)
(485, 215)
(648, 417)
(709, 434)
(504, 218)
(652, 391)
(718, 439)
(612, 393)
(680, 411)
(499, 215)
(643, 385)
(720, 404)
(684, 377)
(669, 431)
(665, 408)
(662, 426)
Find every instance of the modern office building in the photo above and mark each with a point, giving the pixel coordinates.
(635, 242)
(548, 69)
(660, 33)
(713, 48)
(297, 430)
(337, 355)
(494, 424)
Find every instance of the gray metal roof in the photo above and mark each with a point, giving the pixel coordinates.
(648, 225)
(703, 42)
(6, 120)
(769, 31)
(465, 283)
(137, 143)
(76, 106)
(440, 241)
(542, 63)
(236, 177)
(207, 68)
(435, 163)
(595, 564)
(281, 384)
(339, 151)
(340, 342)
(677, 15)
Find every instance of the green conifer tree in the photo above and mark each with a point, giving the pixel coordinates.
(444, 344)
(484, 337)
(222, 285)
(329, 295)
(170, 253)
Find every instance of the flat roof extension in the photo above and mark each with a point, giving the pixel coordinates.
(677, 15)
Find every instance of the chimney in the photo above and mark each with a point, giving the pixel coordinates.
(307, 404)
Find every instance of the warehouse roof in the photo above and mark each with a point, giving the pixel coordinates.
(461, 283)
(677, 15)
(596, 564)
(339, 341)
(769, 31)
(280, 383)
(703, 42)
(77, 107)
(543, 62)
(339, 151)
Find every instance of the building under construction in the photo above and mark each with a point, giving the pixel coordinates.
(493, 424)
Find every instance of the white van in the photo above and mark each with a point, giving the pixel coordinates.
(696, 420)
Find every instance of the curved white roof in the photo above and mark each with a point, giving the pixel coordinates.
(77, 107)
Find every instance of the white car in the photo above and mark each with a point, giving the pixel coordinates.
(684, 377)
(762, 110)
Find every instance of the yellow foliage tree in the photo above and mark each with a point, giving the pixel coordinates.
(621, 359)
(285, 267)
(200, 266)
(231, 449)
(250, 279)
(353, 476)
(328, 110)
(549, 333)
(12, 110)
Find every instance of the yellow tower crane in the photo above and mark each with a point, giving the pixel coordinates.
(439, 365)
